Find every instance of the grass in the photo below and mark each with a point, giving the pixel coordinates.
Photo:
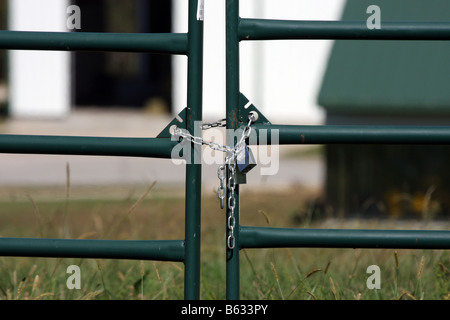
(152, 213)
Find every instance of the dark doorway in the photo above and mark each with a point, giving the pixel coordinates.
(111, 79)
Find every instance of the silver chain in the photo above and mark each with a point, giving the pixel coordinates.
(221, 189)
(209, 125)
(231, 222)
(230, 162)
(181, 133)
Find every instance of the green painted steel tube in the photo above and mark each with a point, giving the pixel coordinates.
(163, 43)
(343, 134)
(193, 191)
(232, 121)
(163, 250)
(266, 237)
(97, 146)
(265, 29)
(232, 64)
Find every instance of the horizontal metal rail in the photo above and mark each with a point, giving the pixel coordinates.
(348, 134)
(266, 29)
(163, 250)
(163, 43)
(89, 146)
(265, 237)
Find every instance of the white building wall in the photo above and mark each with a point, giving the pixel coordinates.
(39, 81)
(281, 78)
(179, 62)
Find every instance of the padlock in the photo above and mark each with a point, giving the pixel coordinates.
(245, 160)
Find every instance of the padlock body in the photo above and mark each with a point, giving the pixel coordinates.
(245, 160)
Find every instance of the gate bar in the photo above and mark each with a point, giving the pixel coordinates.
(266, 29)
(232, 120)
(164, 43)
(266, 237)
(353, 134)
(193, 190)
(163, 250)
(98, 146)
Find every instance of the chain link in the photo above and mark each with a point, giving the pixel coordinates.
(209, 125)
(181, 133)
(230, 164)
(231, 240)
(221, 189)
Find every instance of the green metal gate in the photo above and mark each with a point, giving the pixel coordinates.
(242, 29)
(187, 250)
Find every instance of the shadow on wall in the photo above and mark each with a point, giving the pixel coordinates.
(389, 181)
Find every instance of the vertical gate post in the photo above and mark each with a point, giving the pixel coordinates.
(193, 165)
(232, 115)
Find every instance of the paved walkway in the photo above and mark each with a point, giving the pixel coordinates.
(48, 170)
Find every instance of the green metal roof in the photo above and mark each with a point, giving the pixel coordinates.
(389, 77)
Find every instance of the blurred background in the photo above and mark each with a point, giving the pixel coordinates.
(290, 82)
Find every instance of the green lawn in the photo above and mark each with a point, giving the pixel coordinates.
(132, 213)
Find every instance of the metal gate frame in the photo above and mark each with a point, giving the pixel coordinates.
(191, 44)
(185, 250)
(242, 29)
